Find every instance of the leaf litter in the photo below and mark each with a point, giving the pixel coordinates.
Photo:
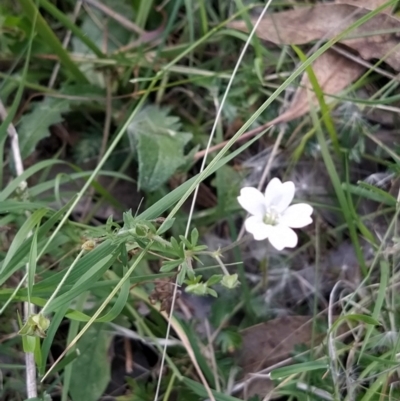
(320, 22)
(377, 38)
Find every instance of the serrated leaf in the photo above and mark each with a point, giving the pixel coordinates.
(34, 126)
(91, 371)
(156, 137)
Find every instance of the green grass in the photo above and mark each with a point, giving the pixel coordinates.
(153, 105)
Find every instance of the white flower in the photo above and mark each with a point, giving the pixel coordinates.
(272, 217)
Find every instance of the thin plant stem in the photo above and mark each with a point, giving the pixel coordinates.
(170, 387)
(223, 268)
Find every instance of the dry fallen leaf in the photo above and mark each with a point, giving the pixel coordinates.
(325, 21)
(268, 343)
(333, 72)
(368, 4)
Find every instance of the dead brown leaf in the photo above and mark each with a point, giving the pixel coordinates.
(333, 72)
(271, 342)
(268, 343)
(368, 4)
(325, 21)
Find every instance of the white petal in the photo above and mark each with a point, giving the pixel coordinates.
(278, 194)
(297, 216)
(273, 187)
(252, 200)
(283, 237)
(254, 225)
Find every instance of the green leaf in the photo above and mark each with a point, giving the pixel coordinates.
(91, 371)
(194, 236)
(32, 264)
(357, 318)
(93, 39)
(230, 281)
(160, 145)
(170, 265)
(119, 302)
(56, 320)
(34, 126)
(88, 272)
(177, 247)
(129, 220)
(367, 191)
(17, 181)
(119, 36)
(166, 227)
(17, 260)
(299, 368)
(66, 21)
(186, 242)
(22, 235)
(197, 289)
(229, 339)
(215, 279)
(199, 389)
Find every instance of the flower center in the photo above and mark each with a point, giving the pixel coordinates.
(271, 217)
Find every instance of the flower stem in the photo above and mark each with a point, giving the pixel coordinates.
(223, 268)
